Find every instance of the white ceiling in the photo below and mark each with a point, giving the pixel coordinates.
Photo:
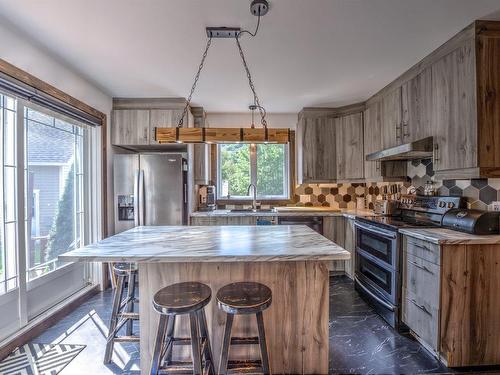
(307, 53)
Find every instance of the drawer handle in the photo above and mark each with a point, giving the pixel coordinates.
(420, 246)
(424, 268)
(421, 307)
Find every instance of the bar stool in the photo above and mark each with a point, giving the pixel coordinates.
(179, 299)
(123, 309)
(237, 299)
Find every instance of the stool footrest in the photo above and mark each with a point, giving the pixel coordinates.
(249, 366)
(180, 367)
(129, 315)
(127, 339)
(245, 340)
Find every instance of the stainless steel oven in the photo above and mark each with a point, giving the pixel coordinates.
(377, 269)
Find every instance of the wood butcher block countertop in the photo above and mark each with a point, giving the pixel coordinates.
(211, 244)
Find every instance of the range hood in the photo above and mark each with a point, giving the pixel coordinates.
(421, 149)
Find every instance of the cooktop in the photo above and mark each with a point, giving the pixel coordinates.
(396, 222)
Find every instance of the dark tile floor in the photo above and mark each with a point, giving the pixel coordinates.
(360, 341)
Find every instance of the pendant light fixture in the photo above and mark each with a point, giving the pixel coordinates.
(252, 134)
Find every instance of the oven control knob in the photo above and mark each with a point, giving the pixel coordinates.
(451, 204)
(442, 204)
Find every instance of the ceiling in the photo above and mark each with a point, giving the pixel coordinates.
(307, 53)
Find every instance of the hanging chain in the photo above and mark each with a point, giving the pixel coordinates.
(181, 121)
(250, 82)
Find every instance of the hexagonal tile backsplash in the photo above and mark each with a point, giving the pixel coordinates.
(479, 192)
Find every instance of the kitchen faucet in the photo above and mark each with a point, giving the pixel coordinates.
(254, 199)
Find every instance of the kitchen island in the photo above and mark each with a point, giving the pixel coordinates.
(291, 260)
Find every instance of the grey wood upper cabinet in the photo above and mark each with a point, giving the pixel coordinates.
(134, 120)
(453, 95)
(164, 118)
(372, 140)
(315, 149)
(349, 145)
(417, 105)
(390, 119)
(454, 112)
(130, 127)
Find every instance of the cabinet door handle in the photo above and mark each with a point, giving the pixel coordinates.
(146, 132)
(398, 127)
(419, 246)
(436, 152)
(405, 131)
(421, 307)
(424, 268)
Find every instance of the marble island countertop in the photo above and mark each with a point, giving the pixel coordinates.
(442, 236)
(288, 211)
(211, 244)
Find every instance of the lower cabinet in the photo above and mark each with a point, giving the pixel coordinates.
(450, 300)
(340, 230)
(350, 245)
(224, 220)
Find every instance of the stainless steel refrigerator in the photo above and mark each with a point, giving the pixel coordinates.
(149, 189)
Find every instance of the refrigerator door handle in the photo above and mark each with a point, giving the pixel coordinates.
(141, 197)
(136, 198)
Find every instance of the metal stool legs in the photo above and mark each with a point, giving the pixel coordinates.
(122, 313)
(199, 341)
(227, 341)
(131, 298)
(244, 298)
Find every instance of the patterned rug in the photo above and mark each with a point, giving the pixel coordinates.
(39, 359)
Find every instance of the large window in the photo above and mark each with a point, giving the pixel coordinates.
(8, 192)
(263, 165)
(47, 185)
(54, 190)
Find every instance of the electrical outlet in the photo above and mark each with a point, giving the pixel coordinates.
(494, 206)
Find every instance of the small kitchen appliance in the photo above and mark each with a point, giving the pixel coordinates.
(386, 207)
(206, 198)
(472, 221)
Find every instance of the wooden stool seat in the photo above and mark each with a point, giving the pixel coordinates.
(244, 298)
(124, 268)
(182, 298)
(178, 299)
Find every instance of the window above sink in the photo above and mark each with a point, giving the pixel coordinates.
(264, 165)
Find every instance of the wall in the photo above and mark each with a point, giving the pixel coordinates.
(20, 51)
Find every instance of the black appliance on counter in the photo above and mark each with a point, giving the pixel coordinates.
(313, 222)
(379, 250)
(472, 221)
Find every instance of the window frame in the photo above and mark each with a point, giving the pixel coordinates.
(86, 214)
(287, 175)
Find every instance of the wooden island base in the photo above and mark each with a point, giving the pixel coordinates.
(296, 323)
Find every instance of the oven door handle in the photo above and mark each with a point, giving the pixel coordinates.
(376, 230)
(375, 297)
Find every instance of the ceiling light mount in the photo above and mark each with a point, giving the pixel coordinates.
(259, 7)
(223, 32)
